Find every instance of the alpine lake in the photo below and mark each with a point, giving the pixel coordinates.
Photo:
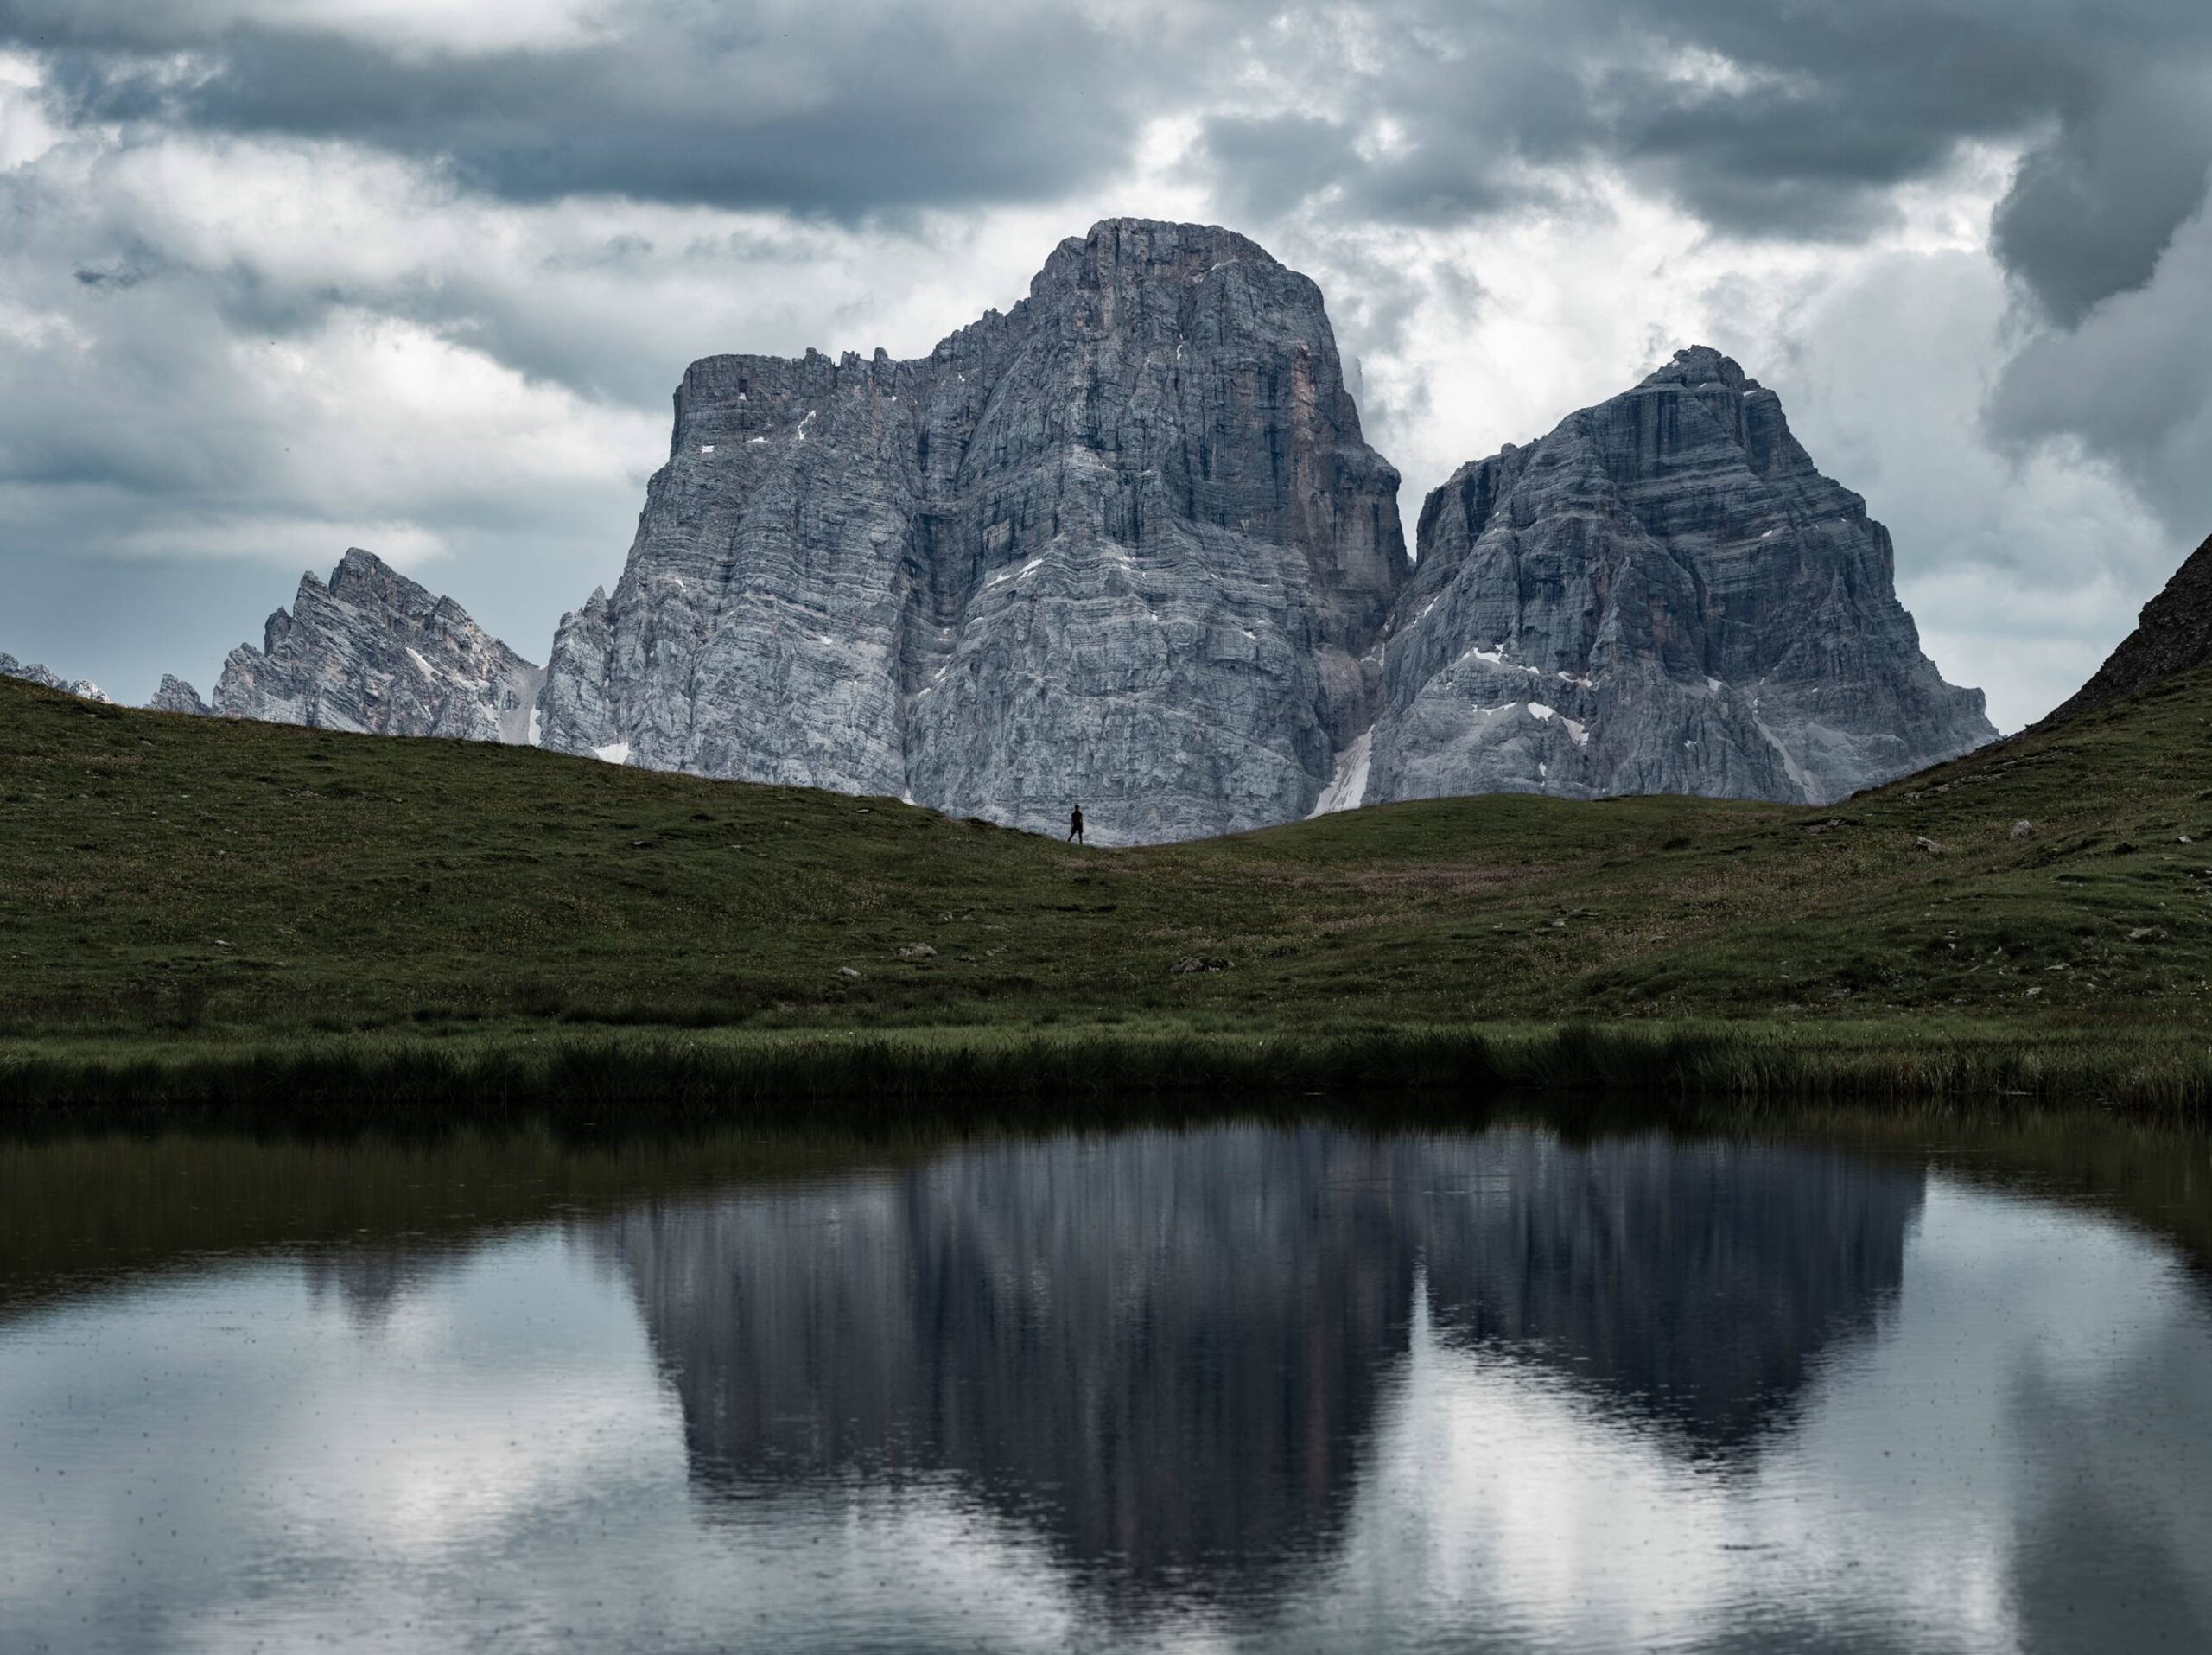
(1832, 1381)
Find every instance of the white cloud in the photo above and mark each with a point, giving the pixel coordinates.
(26, 131)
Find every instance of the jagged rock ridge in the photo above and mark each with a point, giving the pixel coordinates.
(2173, 633)
(34, 673)
(1123, 546)
(372, 650)
(176, 696)
(1662, 595)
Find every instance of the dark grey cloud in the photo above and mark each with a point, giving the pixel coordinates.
(824, 109)
(1267, 164)
(2096, 203)
(1763, 119)
(2131, 384)
(1800, 121)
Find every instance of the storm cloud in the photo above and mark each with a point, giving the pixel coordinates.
(814, 108)
(1761, 119)
(288, 273)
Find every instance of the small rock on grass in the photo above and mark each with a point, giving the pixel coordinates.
(1190, 963)
(917, 950)
(2022, 829)
(1922, 842)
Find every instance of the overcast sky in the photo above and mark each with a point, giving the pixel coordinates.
(281, 277)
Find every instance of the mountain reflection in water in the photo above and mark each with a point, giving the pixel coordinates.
(1173, 1347)
(1241, 1387)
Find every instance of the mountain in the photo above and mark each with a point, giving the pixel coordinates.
(34, 673)
(1662, 595)
(1123, 547)
(2172, 634)
(372, 650)
(176, 696)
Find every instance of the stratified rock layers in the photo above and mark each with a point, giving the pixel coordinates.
(1123, 547)
(1662, 596)
(374, 652)
(176, 696)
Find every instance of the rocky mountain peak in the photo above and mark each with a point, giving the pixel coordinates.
(1662, 594)
(1123, 545)
(1699, 365)
(33, 672)
(1128, 254)
(372, 650)
(361, 576)
(176, 696)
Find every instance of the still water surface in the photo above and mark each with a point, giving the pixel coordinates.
(1241, 1387)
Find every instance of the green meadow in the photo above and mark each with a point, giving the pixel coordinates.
(225, 915)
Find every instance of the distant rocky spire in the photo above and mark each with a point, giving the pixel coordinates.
(374, 651)
(176, 696)
(34, 673)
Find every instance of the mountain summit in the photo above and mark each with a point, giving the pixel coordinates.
(1123, 546)
(374, 651)
(1662, 595)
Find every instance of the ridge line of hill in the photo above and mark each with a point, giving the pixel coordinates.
(185, 897)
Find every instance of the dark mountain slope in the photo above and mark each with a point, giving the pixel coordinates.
(2172, 634)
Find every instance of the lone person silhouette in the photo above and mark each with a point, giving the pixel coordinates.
(1075, 825)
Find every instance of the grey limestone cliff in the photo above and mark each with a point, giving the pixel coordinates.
(372, 650)
(34, 673)
(572, 706)
(1123, 546)
(1662, 595)
(176, 696)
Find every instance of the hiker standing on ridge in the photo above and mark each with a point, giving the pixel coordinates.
(1075, 825)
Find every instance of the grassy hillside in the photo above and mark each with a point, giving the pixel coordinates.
(177, 889)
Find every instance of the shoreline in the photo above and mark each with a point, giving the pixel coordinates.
(851, 1076)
